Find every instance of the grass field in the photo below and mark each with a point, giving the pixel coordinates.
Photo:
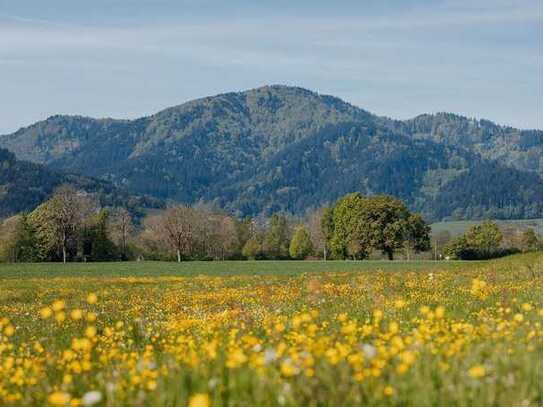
(212, 268)
(457, 228)
(273, 333)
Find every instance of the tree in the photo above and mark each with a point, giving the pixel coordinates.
(175, 227)
(459, 248)
(59, 220)
(479, 242)
(251, 249)
(244, 231)
(327, 229)
(8, 230)
(380, 222)
(417, 235)
(101, 246)
(276, 241)
(485, 239)
(530, 241)
(25, 242)
(18, 240)
(300, 245)
(121, 229)
(222, 236)
(348, 238)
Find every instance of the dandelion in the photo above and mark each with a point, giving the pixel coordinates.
(58, 305)
(46, 312)
(440, 312)
(59, 398)
(527, 307)
(199, 400)
(9, 330)
(518, 318)
(287, 368)
(476, 372)
(92, 298)
(90, 332)
(60, 317)
(388, 391)
(76, 314)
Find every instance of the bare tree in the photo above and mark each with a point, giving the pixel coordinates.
(314, 227)
(8, 231)
(175, 226)
(122, 227)
(223, 236)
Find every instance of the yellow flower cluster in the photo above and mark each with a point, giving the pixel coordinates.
(391, 338)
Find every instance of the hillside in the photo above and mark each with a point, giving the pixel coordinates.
(283, 148)
(24, 185)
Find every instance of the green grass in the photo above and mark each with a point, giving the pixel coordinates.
(216, 268)
(274, 333)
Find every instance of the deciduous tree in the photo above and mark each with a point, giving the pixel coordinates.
(300, 245)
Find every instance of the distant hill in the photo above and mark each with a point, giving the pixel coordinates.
(279, 148)
(24, 185)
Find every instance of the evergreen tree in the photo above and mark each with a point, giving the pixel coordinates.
(103, 249)
(26, 244)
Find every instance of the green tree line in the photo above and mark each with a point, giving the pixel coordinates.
(72, 226)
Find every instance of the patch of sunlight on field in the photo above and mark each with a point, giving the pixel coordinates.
(371, 333)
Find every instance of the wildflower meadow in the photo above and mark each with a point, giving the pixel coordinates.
(423, 334)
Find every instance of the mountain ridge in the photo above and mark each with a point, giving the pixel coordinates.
(209, 148)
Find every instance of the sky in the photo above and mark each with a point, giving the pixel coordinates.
(396, 58)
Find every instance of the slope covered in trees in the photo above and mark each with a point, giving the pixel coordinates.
(281, 148)
(24, 185)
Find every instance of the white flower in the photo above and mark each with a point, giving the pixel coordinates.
(212, 383)
(369, 351)
(91, 397)
(269, 356)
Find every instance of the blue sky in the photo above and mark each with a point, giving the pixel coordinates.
(399, 58)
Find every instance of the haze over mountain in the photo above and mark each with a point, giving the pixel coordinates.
(279, 148)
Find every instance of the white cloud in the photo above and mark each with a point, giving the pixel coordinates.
(446, 57)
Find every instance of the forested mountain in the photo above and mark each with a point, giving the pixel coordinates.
(283, 148)
(24, 185)
(521, 149)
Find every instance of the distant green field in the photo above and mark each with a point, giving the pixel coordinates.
(226, 268)
(459, 227)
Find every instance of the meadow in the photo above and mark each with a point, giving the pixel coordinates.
(273, 333)
(459, 227)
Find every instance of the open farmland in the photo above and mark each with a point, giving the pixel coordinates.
(273, 333)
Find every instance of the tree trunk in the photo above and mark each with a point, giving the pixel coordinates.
(390, 253)
(325, 253)
(178, 256)
(64, 246)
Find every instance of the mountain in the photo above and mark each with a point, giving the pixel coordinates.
(284, 148)
(521, 149)
(24, 185)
